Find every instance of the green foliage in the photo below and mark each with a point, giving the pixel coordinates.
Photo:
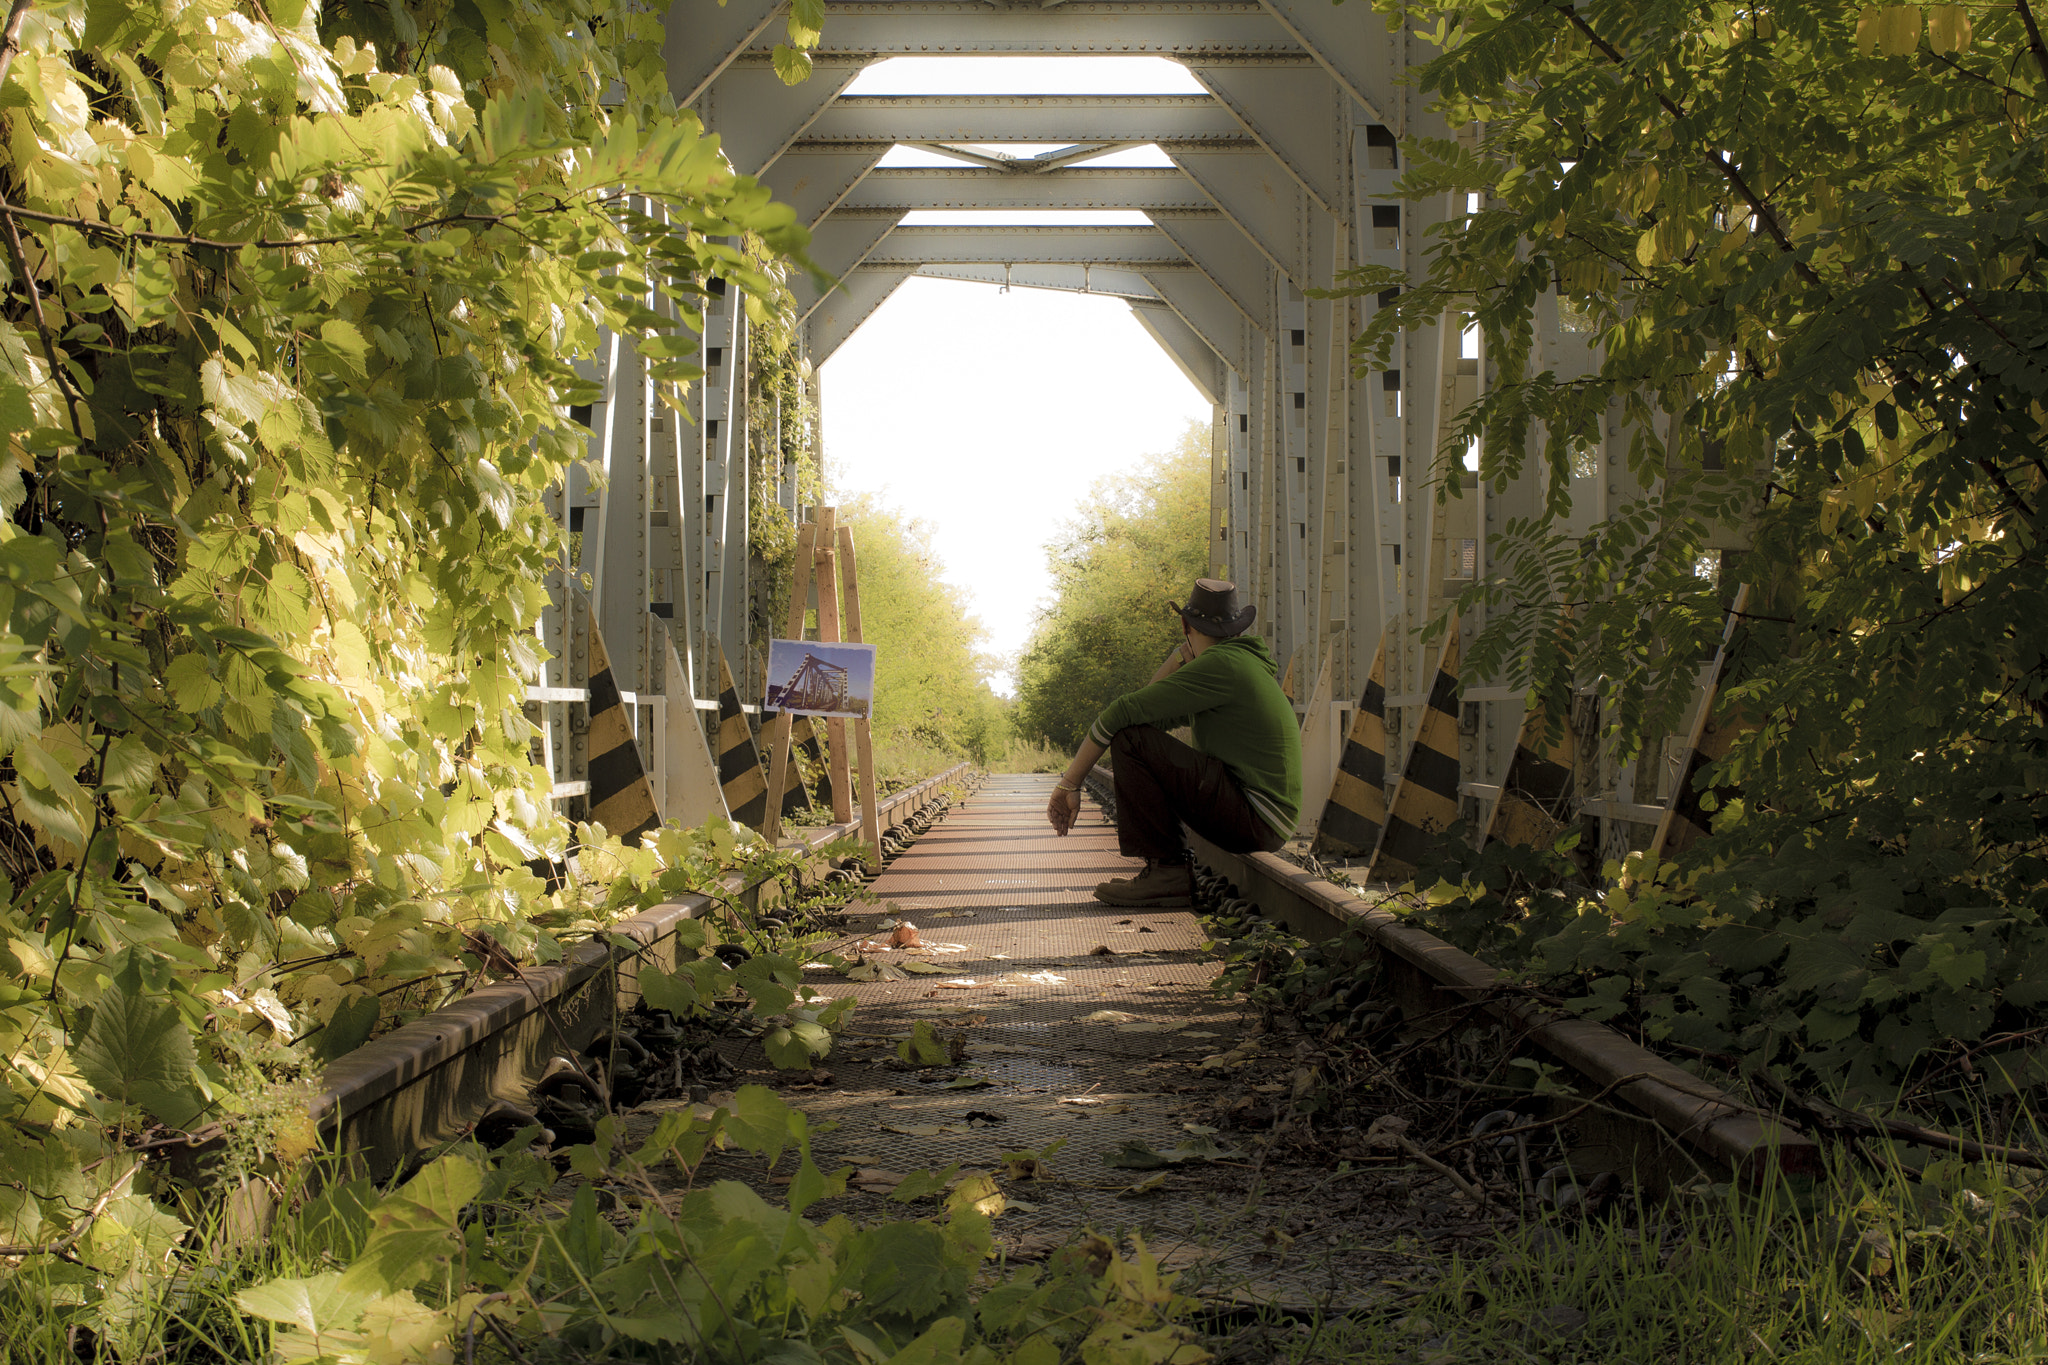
(932, 695)
(796, 1022)
(293, 306)
(1137, 545)
(716, 1274)
(1928, 1263)
(1815, 239)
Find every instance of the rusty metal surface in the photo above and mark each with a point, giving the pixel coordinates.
(1678, 1108)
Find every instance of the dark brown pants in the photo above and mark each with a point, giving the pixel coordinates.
(1161, 783)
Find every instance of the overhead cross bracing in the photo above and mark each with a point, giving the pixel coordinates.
(1280, 177)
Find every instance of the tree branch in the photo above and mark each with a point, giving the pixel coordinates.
(2034, 42)
(61, 1248)
(10, 38)
(13, 211)
(19, 260)
(1719, 161)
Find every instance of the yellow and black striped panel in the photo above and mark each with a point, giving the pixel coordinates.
(621, 795)
(739, 757)
(1358, 796)
(1540, 791)
(1686, 821)
(1426, 802)
(803, 739)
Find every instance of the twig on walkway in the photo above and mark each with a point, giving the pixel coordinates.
(1472, 1191)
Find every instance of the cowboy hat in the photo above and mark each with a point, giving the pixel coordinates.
(1212, 609)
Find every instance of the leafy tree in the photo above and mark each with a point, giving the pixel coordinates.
(292, 306)
(1139, 542)
(1814, 236)
(932, 692)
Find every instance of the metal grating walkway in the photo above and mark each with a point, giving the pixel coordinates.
(1074, 1022)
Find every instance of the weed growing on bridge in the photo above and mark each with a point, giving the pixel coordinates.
(1892, 1253)
(1936, 1266)
(471, 1256)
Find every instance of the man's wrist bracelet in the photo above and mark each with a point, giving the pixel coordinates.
(1061, 787)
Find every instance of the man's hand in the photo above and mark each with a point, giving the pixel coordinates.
(1172, 662)
(1061, 811)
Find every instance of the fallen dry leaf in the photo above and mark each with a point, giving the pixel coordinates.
(1109, 1017)
(1034, 1246)
(1386, 1132)
(905, 936)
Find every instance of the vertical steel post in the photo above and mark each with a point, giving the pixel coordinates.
(1291, 484)
(733, 616)
(1238, 423)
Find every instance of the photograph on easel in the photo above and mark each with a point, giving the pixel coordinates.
(811, 678)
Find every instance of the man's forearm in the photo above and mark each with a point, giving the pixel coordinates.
(1083, 764)
(1172, 662)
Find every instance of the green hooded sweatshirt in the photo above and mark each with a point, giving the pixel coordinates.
(1239, 715)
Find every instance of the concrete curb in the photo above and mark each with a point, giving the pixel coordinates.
(1430, 975)
(425, 1082)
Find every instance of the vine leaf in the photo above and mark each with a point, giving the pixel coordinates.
(315, 1304)
(139, 1052)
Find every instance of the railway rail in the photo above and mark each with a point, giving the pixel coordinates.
(425, 1082)
(1681, 1119)
(1427, 975)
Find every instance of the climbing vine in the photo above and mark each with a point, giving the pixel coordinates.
(294, 300)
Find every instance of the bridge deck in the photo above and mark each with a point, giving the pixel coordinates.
(1086, 1024)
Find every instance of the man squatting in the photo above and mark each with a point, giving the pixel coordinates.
(1239, 786)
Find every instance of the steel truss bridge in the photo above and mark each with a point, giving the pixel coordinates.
(1282, 177)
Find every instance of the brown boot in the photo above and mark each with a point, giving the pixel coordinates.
(1160, 884)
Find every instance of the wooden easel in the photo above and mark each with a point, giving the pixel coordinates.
(820, 546)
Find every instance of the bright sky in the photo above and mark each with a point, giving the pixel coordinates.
(986, 414)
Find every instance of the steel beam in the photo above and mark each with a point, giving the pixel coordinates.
(841, 313)
(1251, 188)
(1237, 431)
(1079, 187)
(1209, 311)
(814, 180)
(1163, 119)
(618, 592)
(756, 116)
(723, 386)
(1298, 113)
(1131, 246)
(736, 450)
(839, 244)
(1220, 251)
(1353, 45)
(699, 39)
(1110, 281)
(1202, 366)
(925, 28)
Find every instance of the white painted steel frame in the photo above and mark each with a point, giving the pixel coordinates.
(1283, 176)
